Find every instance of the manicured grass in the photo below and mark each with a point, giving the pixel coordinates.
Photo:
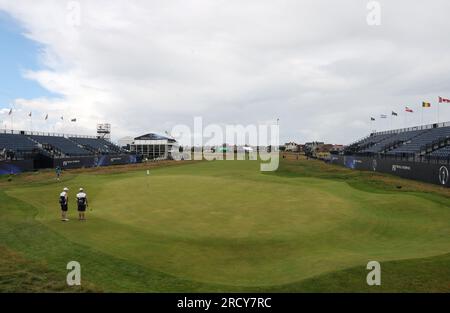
(225, 226)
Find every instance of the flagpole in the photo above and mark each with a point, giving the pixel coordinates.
(421, 119)
(438, 112)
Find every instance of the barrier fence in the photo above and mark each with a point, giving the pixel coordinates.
(435, 173)
(19, 166)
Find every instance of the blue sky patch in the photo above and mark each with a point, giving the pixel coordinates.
(17, 54)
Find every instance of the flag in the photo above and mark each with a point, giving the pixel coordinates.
(383, 116)
(394, 113)
(10, 112)
(426, 104)
(46, 117)
(372, 119)
(441, 100)
(73, 120)
(407, 109)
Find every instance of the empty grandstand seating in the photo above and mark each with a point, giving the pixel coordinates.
(426, 137)
(97, 145)
(442, 152)
(411, 142)
(55, 145)
(374, 139)
(36, 150)
(16, 143)
(64, 145)
(391, 140)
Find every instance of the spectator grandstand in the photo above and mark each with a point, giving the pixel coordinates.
(26, 151)
(15, 146)
(60, 145)
(390, 140)
(443, 152)
(428, 142)
(18, 144)
(97, 145)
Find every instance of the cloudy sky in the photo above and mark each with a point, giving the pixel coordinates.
(149, 65)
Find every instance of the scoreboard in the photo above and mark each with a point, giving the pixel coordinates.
(104, 131)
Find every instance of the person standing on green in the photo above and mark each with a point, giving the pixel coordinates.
(58, 172)
(82, 202)
(64, 202)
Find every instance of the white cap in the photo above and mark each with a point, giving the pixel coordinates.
(66, 189)
(81, 188)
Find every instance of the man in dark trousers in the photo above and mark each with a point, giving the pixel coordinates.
(64, 202)
(82, 202)
(58, 172)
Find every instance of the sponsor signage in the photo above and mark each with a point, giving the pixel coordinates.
(426, 172)
(443, 175)
(103, 160)
(396, 167)
(15, 166)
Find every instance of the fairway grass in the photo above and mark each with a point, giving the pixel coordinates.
(225, 226)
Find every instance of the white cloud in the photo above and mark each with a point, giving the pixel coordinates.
(317, 65)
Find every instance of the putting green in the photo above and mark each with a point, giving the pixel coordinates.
(226, 223)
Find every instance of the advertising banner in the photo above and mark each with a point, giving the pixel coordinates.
(15, 167)
(426, 172)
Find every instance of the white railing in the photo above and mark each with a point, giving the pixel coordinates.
(407, 129)
(403, 130)
(37, 133)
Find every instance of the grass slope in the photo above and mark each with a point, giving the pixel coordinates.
(225, 226)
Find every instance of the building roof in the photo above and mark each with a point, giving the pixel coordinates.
(153, 136)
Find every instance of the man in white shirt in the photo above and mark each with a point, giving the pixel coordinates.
(64, 202)
(82, 204)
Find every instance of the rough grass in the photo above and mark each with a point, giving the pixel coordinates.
(18, 274)
(368, 180)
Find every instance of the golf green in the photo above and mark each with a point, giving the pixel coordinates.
(222, 225)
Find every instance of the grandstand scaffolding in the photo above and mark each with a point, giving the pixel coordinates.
(425, 143)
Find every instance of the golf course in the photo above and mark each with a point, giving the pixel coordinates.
(224, 226)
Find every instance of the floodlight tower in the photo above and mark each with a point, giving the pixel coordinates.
(104, 131)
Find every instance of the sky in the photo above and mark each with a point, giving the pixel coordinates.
(18, 54)
(316, 65)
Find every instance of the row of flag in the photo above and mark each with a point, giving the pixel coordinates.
(409, 110)
(45, 118)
